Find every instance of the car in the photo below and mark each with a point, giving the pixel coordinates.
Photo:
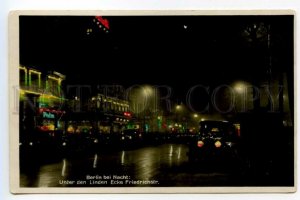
(216, 141)
(131, 137)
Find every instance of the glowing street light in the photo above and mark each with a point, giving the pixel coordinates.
(240, 87)
(177, 112)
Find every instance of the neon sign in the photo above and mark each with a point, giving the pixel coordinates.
(128, 114)
(48, 115)
(103, 21)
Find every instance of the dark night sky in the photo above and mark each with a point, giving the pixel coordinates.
(151, 49)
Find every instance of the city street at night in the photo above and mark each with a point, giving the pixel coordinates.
(155, 101)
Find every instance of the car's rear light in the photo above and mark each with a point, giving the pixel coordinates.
(218, 144)
(200, 143)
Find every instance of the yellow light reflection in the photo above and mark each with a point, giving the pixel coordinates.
(95, 161)
(171, 151)
(34, 72)
(179, 153)
(63, 170)
(41, 94)
(123, 157)
(55, 78)
(25, 73)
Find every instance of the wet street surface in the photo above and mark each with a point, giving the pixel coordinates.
(155, 166)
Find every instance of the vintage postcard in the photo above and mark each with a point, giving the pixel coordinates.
(152, 101)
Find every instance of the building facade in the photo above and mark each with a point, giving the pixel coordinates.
(41, 103)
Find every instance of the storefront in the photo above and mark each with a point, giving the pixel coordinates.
(51, 120)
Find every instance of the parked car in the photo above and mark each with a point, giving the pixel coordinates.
(216, 141)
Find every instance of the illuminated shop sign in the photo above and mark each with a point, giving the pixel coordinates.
(103, 21)
(127, 114)
(48, 115)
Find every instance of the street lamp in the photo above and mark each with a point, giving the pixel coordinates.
(176, 111)
(146, 92)
(240, 87)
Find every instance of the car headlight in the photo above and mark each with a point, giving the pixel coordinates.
(31, 143)
(123, 138)
(200, 143)
(64, 144)
(218, 144)
(96, 141)
(230, 144)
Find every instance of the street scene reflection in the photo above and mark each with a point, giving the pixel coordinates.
(167, 163)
